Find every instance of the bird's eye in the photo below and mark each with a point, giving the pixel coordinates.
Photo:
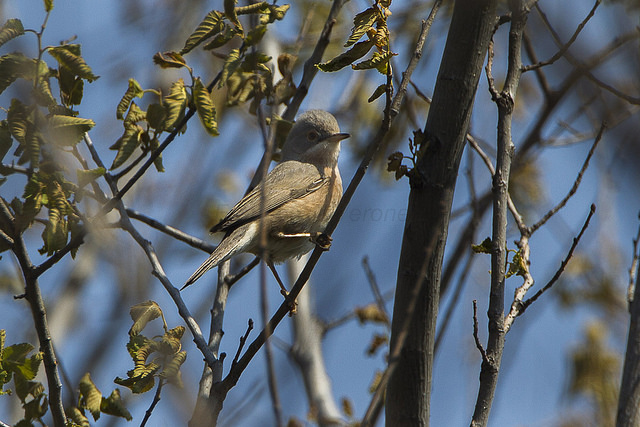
(312, 135)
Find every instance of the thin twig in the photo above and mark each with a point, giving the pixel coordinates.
(233, 278)
(156, 399)
(565, 46)
(171, 231)
(375, 289)
(575, 186)
(243, 340)
(475, 332)
(487, 161)
(563, 265)
(584, 68)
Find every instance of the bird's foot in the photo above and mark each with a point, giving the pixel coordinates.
(323, 241)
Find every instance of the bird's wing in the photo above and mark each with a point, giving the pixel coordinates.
(287, 181)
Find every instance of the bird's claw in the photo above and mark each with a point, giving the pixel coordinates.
(323, 241)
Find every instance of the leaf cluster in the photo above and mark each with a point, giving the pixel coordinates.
(245, 72)
(17, 364)
(516, 267)
(371, 22)
(160, 356)
(394, 163)
(91, 399)
(40, 128)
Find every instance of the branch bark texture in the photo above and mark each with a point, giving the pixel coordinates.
(429, 208)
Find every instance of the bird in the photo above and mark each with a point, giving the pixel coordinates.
(300, 194)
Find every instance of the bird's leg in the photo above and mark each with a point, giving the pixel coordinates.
(323, 241)
(283, 289)
(284, 236)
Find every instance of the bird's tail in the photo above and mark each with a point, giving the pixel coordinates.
(229, 246)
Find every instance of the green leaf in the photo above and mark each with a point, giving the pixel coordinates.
(174, 104)
(253, 8)
(156, 114)
(85, 176)
(486, 247)
(126, 145)
(68, 130)
(171, 369)
(69, 56)
(16, 353)
(169, 60)
(255, 35)
(380, 90)
(347, 58)
(135, 115)
(274, 13)
(71, 86)
(362, 22)
(48, 5)
(10, 30)
(113, 405)
(14, 66)
(90, 396)
(379, 61)
(42, 89)
(36, 408)
(143, 313)
(170, 342)
(205, 107)
(230, 13)
(18, 120)
(221, 38)
(211, 25)
(139, 384)
(25, 388)
(33, 143)
(517, 266)
(77, 417)
(153, 145)
(134, 90)
(5, 139)
(230, 66)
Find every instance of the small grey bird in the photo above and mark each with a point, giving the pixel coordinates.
(300, 195)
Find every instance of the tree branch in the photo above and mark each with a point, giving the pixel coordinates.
(38, 311)
(505, 101)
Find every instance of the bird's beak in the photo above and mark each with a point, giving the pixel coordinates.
(337, 137)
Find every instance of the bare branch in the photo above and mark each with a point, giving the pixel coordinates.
(156, 399)
(565, 46)
(475, 333)
(38, 311)
(233, 278)
(243, 340)
(563, 265)
(575, 186)
(375, 289)
(505, 101)
(171, 231)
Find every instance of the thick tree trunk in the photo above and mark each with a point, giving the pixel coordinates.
(432, 189)
(629, 400)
